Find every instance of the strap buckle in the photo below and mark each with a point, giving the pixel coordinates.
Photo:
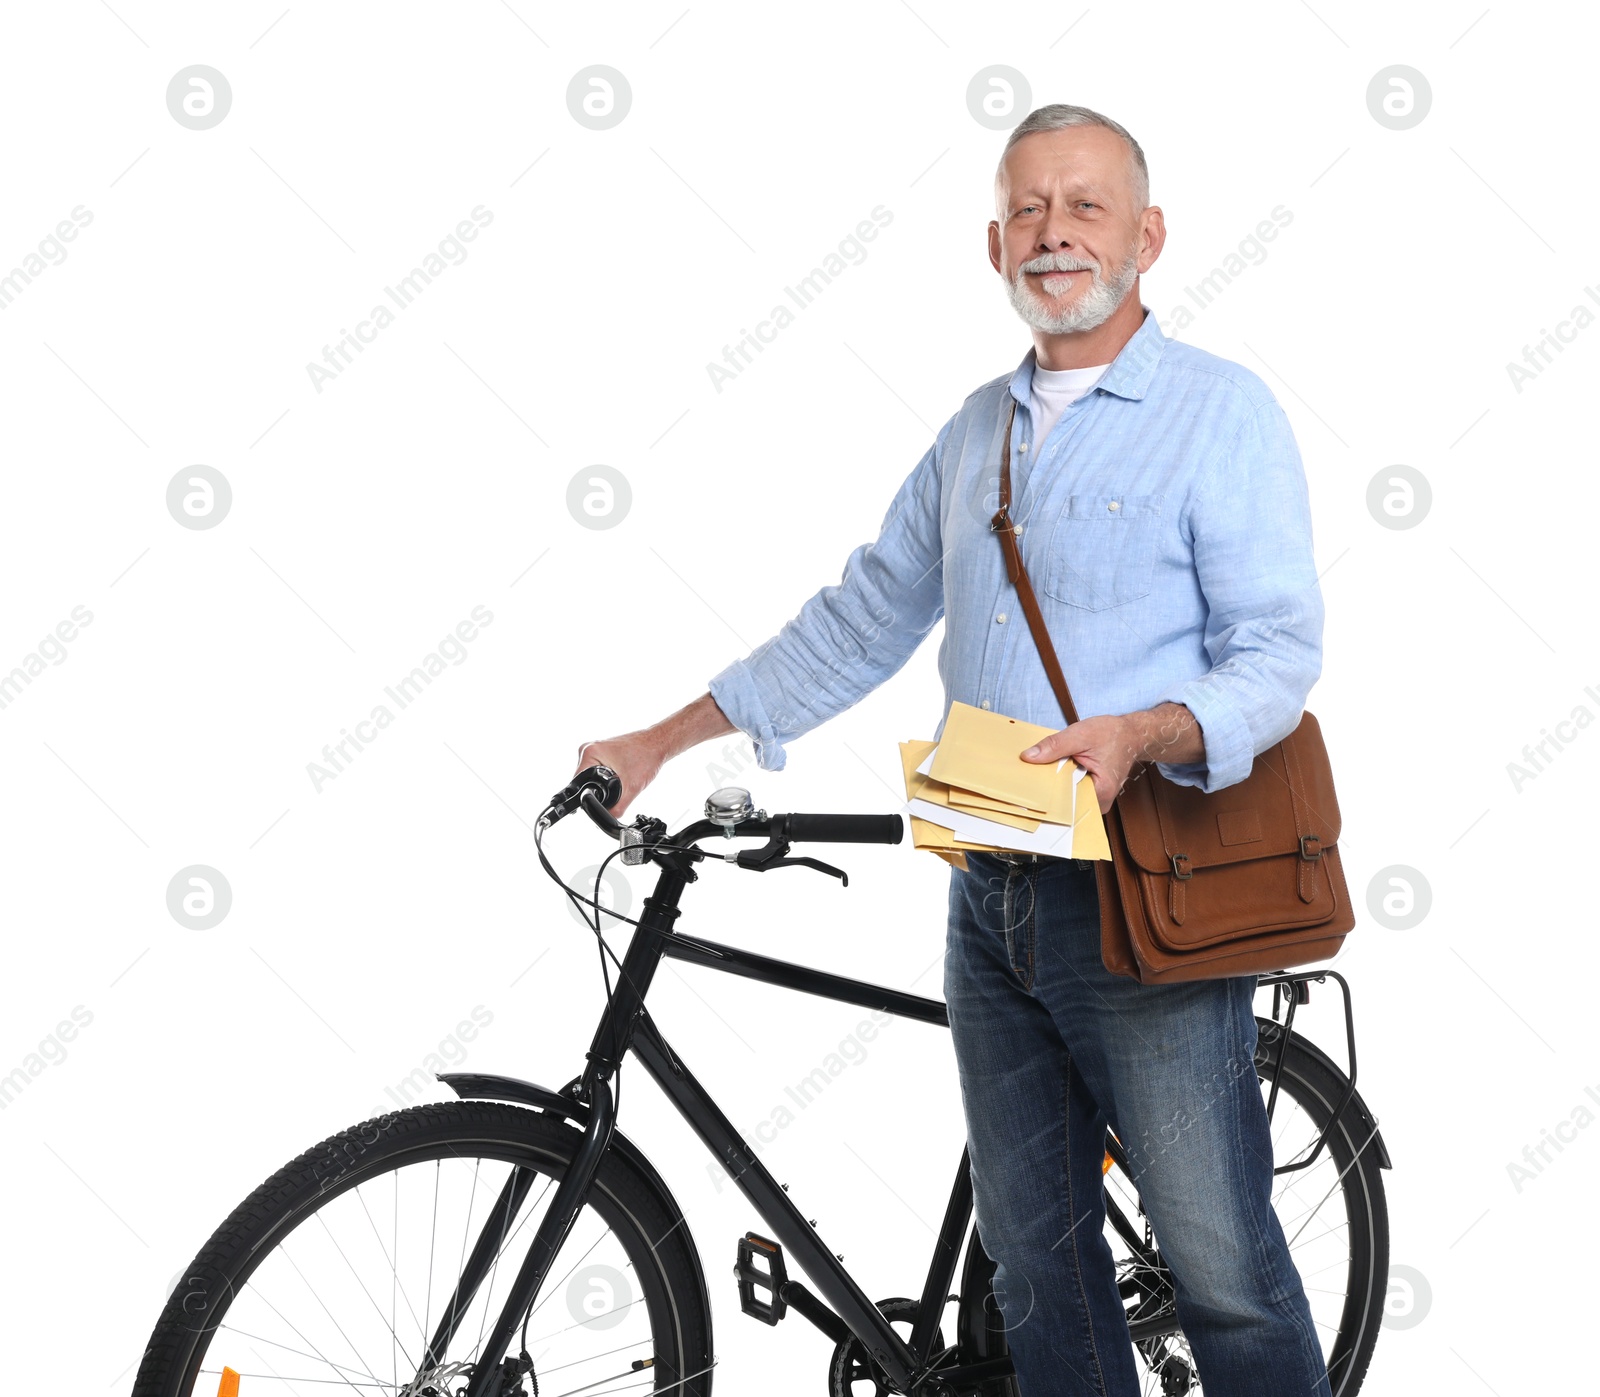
(1310, 855)
(1182, 869)
(1001, 522)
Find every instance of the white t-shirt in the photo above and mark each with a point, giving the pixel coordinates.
(1054, 390)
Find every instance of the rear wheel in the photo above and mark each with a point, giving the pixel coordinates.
(1333, 1215)
(341, 1271)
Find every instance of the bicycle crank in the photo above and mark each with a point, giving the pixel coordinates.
(852, 1364)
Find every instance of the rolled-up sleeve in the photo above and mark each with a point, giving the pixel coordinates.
(1250, 522)
(851, 636)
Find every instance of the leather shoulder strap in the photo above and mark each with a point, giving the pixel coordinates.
(1018, 575)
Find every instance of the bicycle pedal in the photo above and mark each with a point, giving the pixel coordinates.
(754, 1249)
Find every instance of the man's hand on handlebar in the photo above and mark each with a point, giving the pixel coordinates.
(637, 757)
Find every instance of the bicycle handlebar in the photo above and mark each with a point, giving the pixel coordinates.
(596, 787)
(599, 781)
(594, 807)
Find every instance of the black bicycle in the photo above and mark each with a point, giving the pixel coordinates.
(516, 1242)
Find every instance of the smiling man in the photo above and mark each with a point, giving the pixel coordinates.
(1166, 525)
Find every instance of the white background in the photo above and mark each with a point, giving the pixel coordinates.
(430, 477)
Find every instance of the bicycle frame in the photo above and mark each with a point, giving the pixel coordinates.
(588, 1101)
(625, 1024)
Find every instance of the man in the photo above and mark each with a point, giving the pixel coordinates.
(1166, 526)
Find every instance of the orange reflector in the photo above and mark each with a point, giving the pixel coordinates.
(229, 1386)
(1105, 1168)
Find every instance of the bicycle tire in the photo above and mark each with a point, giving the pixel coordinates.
(1317, 1087)
(648, 1224)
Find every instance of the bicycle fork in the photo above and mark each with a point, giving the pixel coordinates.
(610, 1043)
(553, 1228)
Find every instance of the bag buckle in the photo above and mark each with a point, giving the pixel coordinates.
(1310, 855)
(1182, 870)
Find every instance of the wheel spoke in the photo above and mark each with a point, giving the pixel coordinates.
(494, 1270)
(559, 1367)
(552, 1289)
(317, 1296)
(589, 1389)
(377, 1308)
(278, 1377)
(579, 1324)
(433, 1237)
(466, 1231)
(267, 1363)
(393, 1258)
(1355, 1159)
(314, 1353)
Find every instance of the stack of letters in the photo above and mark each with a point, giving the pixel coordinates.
(972, 790)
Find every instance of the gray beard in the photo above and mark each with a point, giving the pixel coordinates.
(1093, 308)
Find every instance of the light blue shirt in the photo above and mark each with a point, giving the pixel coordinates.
(1167, 530)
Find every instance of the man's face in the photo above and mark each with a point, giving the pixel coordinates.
(1071, 236)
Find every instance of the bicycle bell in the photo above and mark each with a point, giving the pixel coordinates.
(728, 807)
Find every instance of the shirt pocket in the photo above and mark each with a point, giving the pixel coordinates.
(1103, 550)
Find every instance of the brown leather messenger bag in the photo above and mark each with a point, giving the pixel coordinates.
(1242, 881)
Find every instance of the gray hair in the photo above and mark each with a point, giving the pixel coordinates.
(1058, 117)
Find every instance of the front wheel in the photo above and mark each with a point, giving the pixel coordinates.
(1333, 1214)
(353, 1267)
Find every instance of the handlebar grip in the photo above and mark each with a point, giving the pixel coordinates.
(846, 829)
(599, 781)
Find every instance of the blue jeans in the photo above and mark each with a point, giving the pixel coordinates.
(1052, 1048)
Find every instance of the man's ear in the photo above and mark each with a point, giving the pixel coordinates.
(1154, 229)
(994, 245)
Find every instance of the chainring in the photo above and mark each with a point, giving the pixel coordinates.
(852, 1364)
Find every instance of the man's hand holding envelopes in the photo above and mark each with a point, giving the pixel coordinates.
(973, 790)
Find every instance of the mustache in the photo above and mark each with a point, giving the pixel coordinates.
(1059, 262)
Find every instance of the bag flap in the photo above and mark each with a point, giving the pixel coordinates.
(1252, 819)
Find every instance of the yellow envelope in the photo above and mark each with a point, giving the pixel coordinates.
(936, 792)
(980, 751)
(924, 833)
(960, 800)
(1088, 825)
(920, 787)
(971, 800)
(936, 839)
(912, 755)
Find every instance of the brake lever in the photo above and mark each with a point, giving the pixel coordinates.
(808, 862)
(772, 855)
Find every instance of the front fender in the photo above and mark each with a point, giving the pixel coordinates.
(486, 1086)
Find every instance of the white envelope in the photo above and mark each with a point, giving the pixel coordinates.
(1047, 839)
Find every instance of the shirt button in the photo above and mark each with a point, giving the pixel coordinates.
(1019, 530)
(1022, 446)
(1114, 506)
(1000, 620)
(984, 704)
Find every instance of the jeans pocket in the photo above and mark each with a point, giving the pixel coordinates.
(1018, 918)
